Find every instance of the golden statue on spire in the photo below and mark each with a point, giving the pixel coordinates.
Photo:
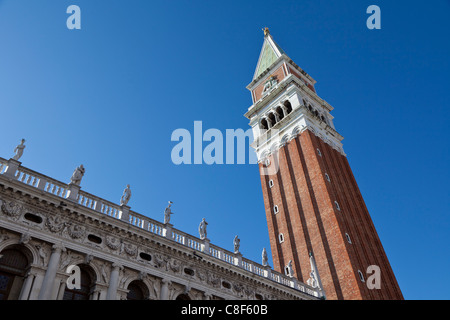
(266, 31)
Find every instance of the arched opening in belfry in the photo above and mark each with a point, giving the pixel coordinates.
(280, 112)
(264, 124)
(15, 261)
(272, 119)
(288, 106)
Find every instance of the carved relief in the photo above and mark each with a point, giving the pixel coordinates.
(130, 249)
(161, 261)
(11, 209)
(76, 231)
(55, 223)
(68, 258)
(3, 235)
(43, 253)
(112, 242)
(25, 238)
(174, 265)
(213, 280)
(201, 275)
(104, 273)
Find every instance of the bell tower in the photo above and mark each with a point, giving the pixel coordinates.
(314, 208)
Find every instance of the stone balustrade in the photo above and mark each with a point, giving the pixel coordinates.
(102, 206)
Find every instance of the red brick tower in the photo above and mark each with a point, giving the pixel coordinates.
(312, 201)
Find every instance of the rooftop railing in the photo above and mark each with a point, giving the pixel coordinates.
(12, 169)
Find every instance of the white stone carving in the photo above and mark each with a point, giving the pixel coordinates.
(167, 213)
(237, 244)
(112, 242)
(265, 259)
(12, 209)
(125, 196)
(77, 175)
(19, 150)
(202, 229)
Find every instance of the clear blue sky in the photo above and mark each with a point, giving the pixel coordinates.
(110, 95)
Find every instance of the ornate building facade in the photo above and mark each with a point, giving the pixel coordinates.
(312, 201)
(48, 228)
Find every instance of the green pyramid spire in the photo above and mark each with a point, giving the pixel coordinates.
(270, 52)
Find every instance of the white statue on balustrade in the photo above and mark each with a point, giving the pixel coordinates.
(125, 196)
(167, 213)
(19, 150)
(237, 244)
(77, 175)
(265, 258)
(202, 229)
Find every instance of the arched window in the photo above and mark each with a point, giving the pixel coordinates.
(137, 291)
(337, 205)
(318, 152)
(272, 119)
(275, 209)
(87, 282)
(280, 112)
(348, 238)
(14, 263)
(264, 124)
(281, 237)
(288, 106)
(361, 276)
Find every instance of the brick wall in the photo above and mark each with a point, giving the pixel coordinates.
(310, 221)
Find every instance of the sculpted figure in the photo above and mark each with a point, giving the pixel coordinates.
(125, 196)
(236, 243)
(19, 150)
(202, 229)
(167, 213)
(77, 175)
(265, 259)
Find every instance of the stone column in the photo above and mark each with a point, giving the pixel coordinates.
(164, 294)
(11, 170)
(36, 287)
(113, 282)
(62, 289)
(49, 278)
(26, 288)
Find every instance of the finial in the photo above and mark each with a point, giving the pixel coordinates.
(266, 31)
